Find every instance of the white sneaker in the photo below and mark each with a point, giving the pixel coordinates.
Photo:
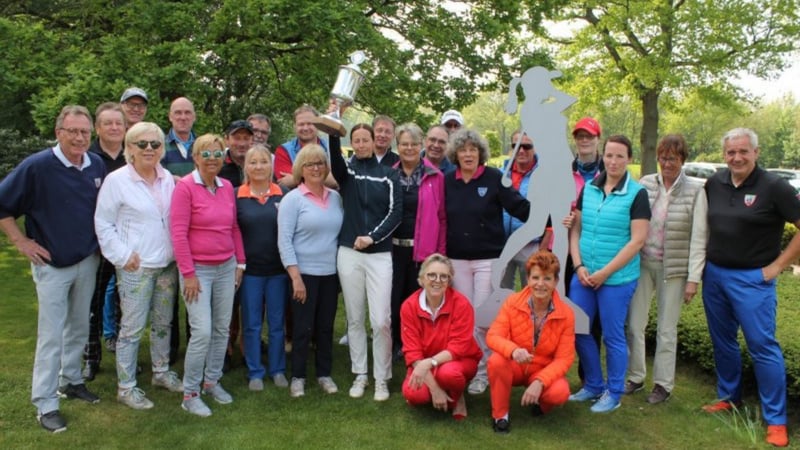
(359, 385)
(280, 380)
(196, 406)
(327, 385)
(134, 397)
(168, 380)
(298, 387)
(343, 340)
(256, 384)
(381, 391)
(218, 393)
(477, 386)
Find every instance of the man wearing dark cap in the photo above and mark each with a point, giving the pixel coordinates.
(452, 120)
(239, 138)
(134, 105)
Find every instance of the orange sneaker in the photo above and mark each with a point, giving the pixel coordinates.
(776, 435)
(720, 406)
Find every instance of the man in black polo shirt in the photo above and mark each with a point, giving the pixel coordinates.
(747, 208)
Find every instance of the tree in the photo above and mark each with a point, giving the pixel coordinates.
(655, 48)
(234, 57)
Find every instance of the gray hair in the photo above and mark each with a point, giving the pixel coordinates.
(436, 258)
(741, 132)
(463, 137)
(73, 110)
(136, 131)
(412, 129)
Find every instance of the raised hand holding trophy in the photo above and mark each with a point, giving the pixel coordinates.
(343, 94)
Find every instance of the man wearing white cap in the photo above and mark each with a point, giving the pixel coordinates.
(134, 105)
(452, 120)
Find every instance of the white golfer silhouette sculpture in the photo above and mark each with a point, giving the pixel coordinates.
(551, 189)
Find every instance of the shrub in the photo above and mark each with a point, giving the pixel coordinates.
(694, 342)
(789, 230)
(15, 149)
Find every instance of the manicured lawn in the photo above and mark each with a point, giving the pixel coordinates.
(271, 419)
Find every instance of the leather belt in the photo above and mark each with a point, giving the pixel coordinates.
(403, 242)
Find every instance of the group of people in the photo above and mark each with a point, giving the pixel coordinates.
(243, 235)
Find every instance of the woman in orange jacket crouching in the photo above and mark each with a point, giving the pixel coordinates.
(533, 344)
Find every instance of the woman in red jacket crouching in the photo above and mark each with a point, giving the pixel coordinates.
(438, 343)
(533, 344)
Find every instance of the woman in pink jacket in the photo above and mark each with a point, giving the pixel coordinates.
(422, 230)
(210, 256)
(440, 350)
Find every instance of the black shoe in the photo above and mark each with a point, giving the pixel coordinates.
(78, 391)
(111, 344)
(52, 422)
(90, 370)
(536, 410)
(502, 426)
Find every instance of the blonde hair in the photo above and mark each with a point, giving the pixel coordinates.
(257, 149)
(307, 153)
(436, 258)
(135, 132)
(205, 141)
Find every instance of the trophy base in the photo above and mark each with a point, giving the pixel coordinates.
(330, 125)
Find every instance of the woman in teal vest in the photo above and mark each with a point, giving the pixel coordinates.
(609, 228)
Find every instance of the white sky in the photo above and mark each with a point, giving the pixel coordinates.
(786, 82)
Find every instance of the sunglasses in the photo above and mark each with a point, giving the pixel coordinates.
(522, 146)
(208, 154)
(155, 145)
(443, 277)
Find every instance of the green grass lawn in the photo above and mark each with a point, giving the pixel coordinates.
(271, 419)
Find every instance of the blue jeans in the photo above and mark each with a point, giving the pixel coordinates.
(110, 310)
(611, 304)
(260, 293)
(209, 320)
(735, 298)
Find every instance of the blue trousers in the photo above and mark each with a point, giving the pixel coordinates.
(257, 294)
(610, 303)
(110, 322)
(735, 298)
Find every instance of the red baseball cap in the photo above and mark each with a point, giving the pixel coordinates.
(588, 124)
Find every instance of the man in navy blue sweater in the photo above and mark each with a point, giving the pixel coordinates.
(56, 190)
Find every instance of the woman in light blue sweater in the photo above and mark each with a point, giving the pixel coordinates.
(309, 220)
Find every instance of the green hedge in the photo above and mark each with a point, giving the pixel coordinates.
(16, 148)
(694, 342)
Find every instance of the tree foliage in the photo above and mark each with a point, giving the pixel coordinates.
(234, 57)
(651, 49)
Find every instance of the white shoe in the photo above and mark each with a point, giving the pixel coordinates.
(359, 385)
(343, 340)
(134, 397)
(168, 380)
(327, 385)
(218, 393)
(477, 386)
(196, 406)
(298, 387)
(381, 391)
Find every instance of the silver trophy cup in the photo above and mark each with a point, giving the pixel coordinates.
(343, 94)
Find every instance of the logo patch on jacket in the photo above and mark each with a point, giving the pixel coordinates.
(749, 199)
(482, 191)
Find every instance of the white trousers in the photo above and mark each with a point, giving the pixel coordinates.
(366, 280)
(473, 278)
(669, 300)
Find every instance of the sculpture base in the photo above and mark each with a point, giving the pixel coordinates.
(330, 125)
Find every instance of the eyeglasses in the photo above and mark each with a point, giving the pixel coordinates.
(77, 132)
(670, 160)
(208, 154)
(314, 165)
(138, 106)
(522, 146)
(443, 277)
(155, 145)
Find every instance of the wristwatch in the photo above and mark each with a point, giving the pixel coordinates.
(434, 362)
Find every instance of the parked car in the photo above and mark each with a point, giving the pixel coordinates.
(792, 176)
(702, 170)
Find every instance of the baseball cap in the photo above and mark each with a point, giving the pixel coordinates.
(133, 92)
(239, 125)
(452, 115)
(588, 124)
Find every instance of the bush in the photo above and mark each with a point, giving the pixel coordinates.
(694, 342)
(15, 149)
(789, 230)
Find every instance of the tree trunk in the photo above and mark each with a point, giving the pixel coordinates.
(648, 138)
